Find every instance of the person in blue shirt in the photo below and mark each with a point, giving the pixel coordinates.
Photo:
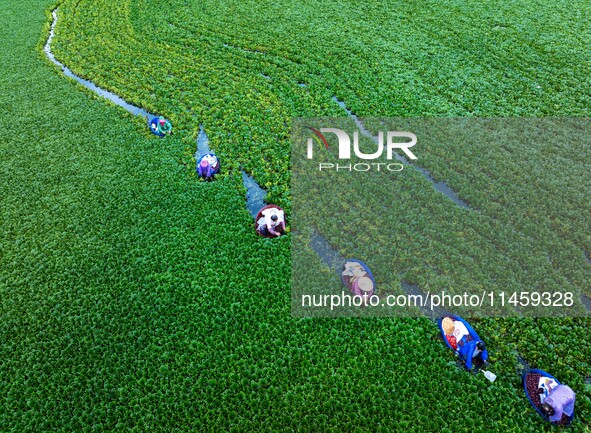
(466, 344)
(472, 352)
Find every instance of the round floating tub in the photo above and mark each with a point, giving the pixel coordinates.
(357, 277)
(455, 328)
(531, 383)
(264, 217)
(153, 124)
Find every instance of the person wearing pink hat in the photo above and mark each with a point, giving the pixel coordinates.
(208, 166)
(164, 126)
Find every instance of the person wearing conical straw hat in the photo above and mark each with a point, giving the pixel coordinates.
(459, 338)
(448, 326)
(363, 286)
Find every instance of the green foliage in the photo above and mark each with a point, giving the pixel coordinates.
(532, 242)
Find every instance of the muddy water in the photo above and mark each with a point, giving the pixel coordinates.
(88, 84)
(442, 187)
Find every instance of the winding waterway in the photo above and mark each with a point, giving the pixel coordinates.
(137, 111)
(442, 187)
(255, 195)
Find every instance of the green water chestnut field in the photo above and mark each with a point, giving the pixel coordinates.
(134, 297)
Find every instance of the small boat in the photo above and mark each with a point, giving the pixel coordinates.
(208, 166)
(270, 215)
(160, 126)
(535, 380)
(357, 277)
(460, 337)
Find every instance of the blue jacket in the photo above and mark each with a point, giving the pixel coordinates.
(466, 351)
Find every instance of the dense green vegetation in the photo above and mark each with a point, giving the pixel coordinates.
(137, 299)
(525, 228)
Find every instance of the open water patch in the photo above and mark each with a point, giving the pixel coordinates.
(327, 253)
(586, 301)
(255, 195)
(202, 143)
(522, 365)
(117, 100)
(442, 187)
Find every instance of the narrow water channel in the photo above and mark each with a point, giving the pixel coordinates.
(137, 111)
(255, 195)
(442, 187)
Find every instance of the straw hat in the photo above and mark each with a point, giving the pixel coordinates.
(448, 325)
(365, 284)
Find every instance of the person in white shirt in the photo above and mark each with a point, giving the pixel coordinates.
(271, 222)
